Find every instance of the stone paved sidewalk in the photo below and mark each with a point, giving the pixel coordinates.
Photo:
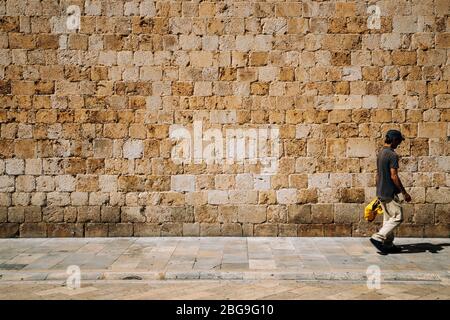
(223, 258)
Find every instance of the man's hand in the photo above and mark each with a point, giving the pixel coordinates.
(407, 196)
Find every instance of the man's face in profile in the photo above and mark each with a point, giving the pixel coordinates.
(395, 143)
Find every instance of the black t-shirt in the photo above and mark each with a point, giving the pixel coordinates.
(386, 159)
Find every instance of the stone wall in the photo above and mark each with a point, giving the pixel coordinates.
(92, 91)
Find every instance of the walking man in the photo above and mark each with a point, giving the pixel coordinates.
(388, 188)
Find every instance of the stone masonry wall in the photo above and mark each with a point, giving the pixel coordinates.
(88, 106)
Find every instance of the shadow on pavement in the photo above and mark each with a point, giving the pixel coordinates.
(422, 247)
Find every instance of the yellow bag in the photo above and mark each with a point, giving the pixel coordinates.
(372, 209)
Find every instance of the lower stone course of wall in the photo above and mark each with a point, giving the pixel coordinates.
(42, 230)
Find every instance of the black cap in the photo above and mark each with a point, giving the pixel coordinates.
(395, 134)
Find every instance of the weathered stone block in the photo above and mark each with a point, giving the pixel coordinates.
(203, 88)
(110, 214)
(440, 230)
(310, 230)
(252, 214)
(287, 196)
(65, 183)
(120, 229)
(360, 147)
(33, 230)
(133, 149)
(9, 230)
(322, 213)
(266, 230)
(442, 213)
(15, 166)
(432, 130)
(404, 24)
(261, 182)
(172, 229)
(276, 213)
(318, 180)
(201, 58)
(219, 197)
(287, 230)
(88, 214)
(132, 214)
(108, 183)
(337, 230)
(243, 196)
(79, 198)
(244, 181)
(299, 213)
(231, 229)
(191, 229)
(32, 214)
(410, 230)
(182, 183)
(147, 230)
(352, 195)
(60, 230)
(424, 213)
(308, 195)
(347, 212)
(437, 195)
(96, 230)
(209, 229)
(16, 214)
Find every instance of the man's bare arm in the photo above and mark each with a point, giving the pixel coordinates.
(396, 179)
